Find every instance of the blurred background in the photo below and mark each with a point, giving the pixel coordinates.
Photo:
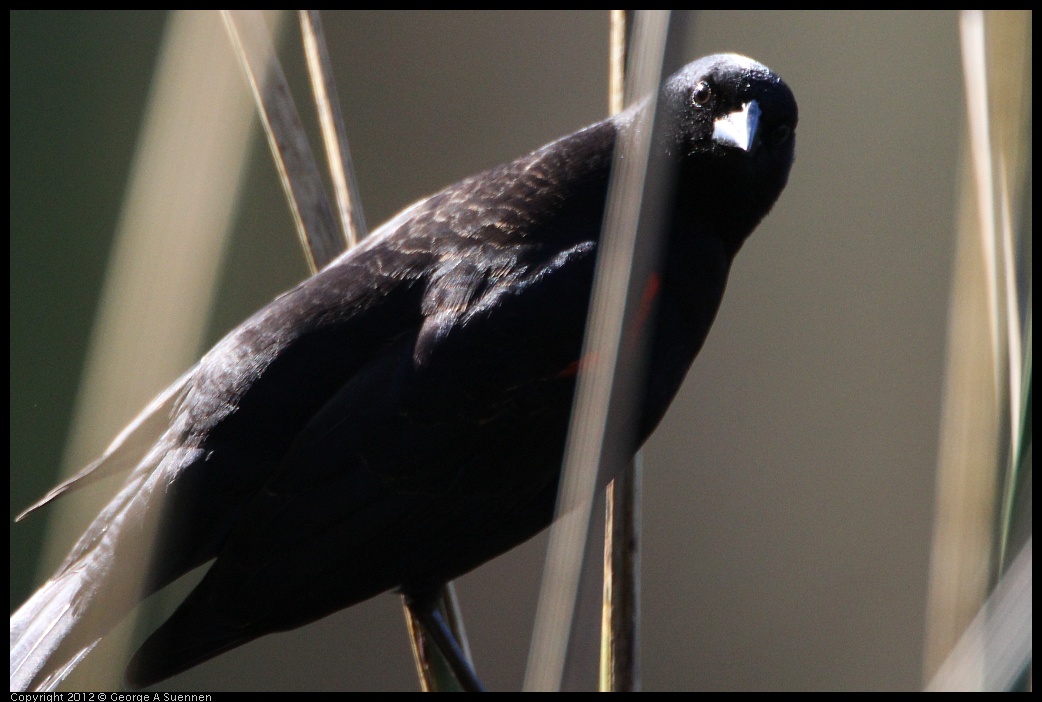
(789, 493)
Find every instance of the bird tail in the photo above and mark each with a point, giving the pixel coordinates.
(127, 449)
(42, 630)
(63, 621)
(60, 624)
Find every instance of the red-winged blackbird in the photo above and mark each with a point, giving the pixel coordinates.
(399, 418)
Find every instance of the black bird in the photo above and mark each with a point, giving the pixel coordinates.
(399, 418)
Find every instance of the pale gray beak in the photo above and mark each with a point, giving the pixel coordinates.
(738, 128)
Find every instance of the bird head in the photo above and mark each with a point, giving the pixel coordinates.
(725, 103)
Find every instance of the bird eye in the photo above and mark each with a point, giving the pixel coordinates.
(781, 134)
(701, 94)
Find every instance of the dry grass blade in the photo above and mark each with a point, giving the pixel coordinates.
(318, 230)
(320, 237)
(996, 647)
(176, 218)
(984, 413)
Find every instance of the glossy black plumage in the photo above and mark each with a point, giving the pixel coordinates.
(399, 418)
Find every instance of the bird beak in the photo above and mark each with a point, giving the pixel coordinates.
(738, 128)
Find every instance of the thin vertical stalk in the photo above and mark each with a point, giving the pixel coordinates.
(604, 398)
(334, 133)
(617, 45)
(620, 609)
(432, 668)
(620, 604)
